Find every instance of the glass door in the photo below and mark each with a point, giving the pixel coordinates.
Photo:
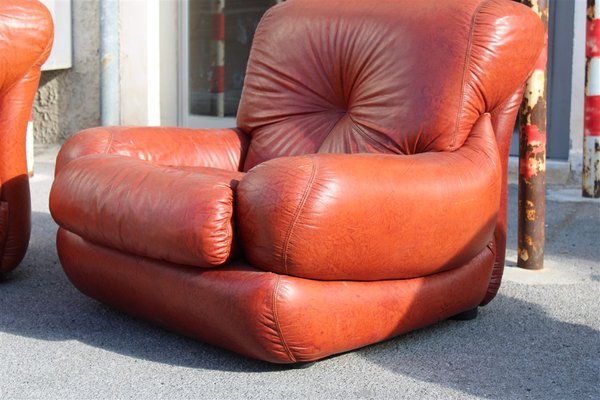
(215, 36)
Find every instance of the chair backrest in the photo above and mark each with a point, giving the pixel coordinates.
(388, 76)
(26, 34)
(385, 76)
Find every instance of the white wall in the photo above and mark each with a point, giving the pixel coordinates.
(577, 89)
(62, 48)
(148, 51)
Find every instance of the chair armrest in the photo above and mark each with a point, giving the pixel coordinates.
(26, 35)
(215, 148)
(148, 210)
(371, 217)
(25, 44)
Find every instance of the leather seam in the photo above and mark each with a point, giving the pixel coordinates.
(110, 142)
(276, 318)
(296, 216)
(466, 69)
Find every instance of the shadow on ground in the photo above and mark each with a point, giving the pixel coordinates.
(514, 350)
(38, 301)
(511, 350)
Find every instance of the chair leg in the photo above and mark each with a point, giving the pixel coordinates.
(301, 365)
(466, 315)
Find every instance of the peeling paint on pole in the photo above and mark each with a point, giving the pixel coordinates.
(591, 134)
(532, 158)
(218, 58)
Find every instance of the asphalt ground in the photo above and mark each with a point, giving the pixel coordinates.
(539, 339)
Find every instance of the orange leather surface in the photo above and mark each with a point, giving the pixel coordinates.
(375, 216)
(503, 121)
(381, 243)
(26, 34)
(145, 209)
(391, 76)
(263, 315)
(216, 148)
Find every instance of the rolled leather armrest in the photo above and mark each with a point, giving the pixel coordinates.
(169, 214)
(26, 34)
(371, 217)
(215, 148)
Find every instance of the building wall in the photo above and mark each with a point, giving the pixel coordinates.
(577, 90)
(149, 59)
(68, 100)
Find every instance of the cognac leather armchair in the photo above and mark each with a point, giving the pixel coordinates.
(26, 34)
(362, 195)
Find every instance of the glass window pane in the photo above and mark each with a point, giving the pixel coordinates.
(220, 35)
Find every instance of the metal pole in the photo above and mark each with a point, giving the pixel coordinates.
(591, 132)
(110, 106)
(532, 158)
(218, 57)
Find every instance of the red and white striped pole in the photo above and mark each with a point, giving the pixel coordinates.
(218, 57)
(591, 131)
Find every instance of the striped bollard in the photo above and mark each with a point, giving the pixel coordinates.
(591, 131)
(532, 158)
(218, 57)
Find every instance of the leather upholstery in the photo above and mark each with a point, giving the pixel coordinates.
(272, 317)
(305, 253)
(358, 77)
(315, 196)
(26, 34)
(216, 148)
(198, 206)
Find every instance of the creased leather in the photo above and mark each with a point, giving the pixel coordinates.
(417, 215)
(145, 209)
(215, 148)
(276, 318)
(418, 88)
(26, 34)
(503, 120)
(381, 76)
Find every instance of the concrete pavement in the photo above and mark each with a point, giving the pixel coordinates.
(539, 339)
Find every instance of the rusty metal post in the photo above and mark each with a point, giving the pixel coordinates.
(218, 57)
(591, 133)
(532, 158)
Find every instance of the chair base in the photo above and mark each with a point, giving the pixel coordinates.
(301, 365)
(267, 316)
(466, 315)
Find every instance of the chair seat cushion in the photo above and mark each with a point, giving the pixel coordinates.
(177, 214)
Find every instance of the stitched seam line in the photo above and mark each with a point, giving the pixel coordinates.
(276, 318)
(288, 236)
(110, 142)
(466, 69)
